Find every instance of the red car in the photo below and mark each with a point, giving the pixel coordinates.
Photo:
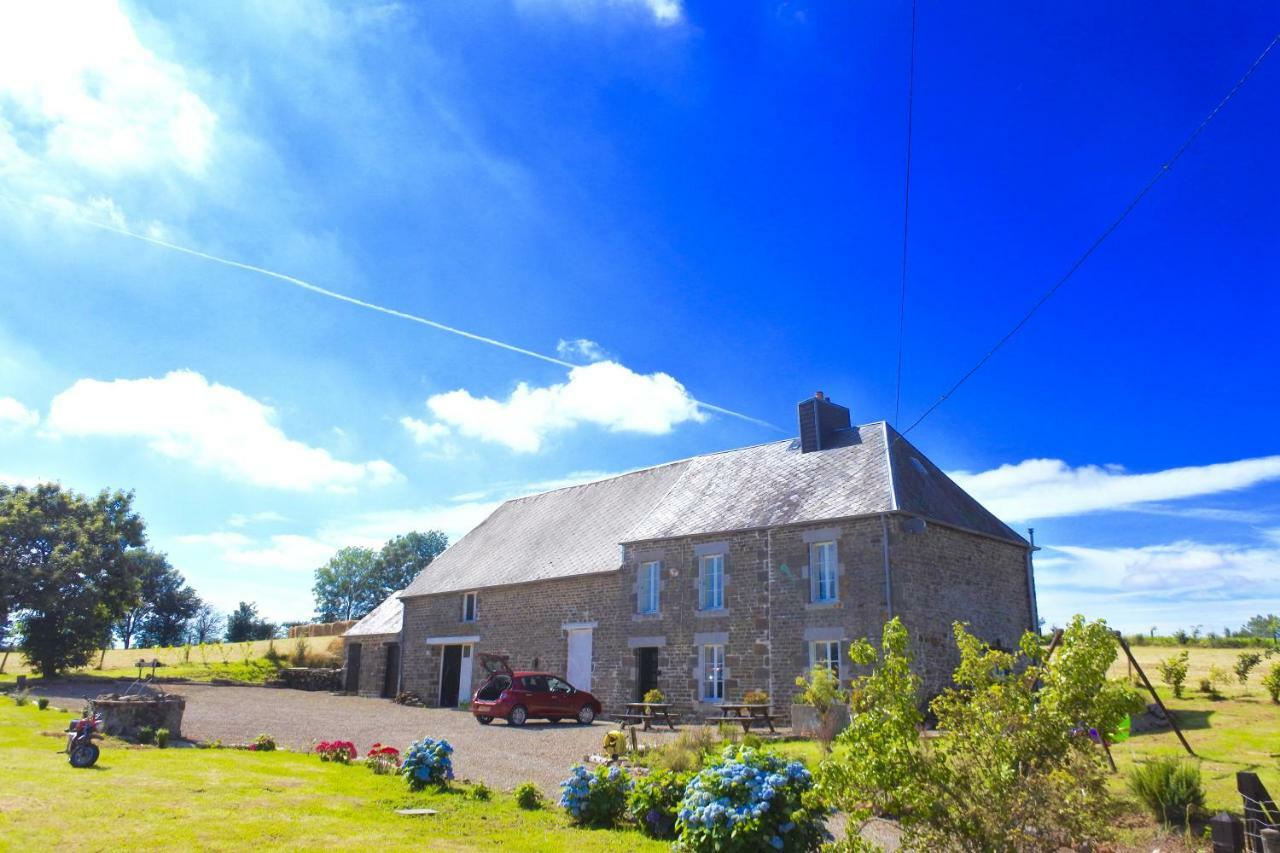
(517, 696)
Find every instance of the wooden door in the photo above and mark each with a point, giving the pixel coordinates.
(391, 681)
(353, 668)
(450, 668)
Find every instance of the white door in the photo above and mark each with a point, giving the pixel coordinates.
(579, 674)
(464, 676)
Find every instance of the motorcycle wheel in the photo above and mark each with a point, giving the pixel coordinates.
(84, 755)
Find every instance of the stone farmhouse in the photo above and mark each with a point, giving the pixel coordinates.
(710, 576)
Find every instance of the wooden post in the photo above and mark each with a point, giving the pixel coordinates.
(634, 746)
(1053, 644)
(1168, 715)
(1107, 749)
(1227, 833)
(1270, 840)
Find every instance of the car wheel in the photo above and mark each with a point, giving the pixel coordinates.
(519, 716)
(586, 715)
(483, 720)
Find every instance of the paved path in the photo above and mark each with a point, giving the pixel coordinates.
(501, 756)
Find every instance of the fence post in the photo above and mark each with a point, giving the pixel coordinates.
(1259, 809)
(1270, 840)
(1228, 833)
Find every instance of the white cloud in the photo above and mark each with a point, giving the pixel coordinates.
(14, 415)
(663, 12)
(7, 479)
(286, 552)
(605, 394)
(435, 436)
(247, 519)
(78, 89)
(1047, 488)
(218, 428)
(1170, 584)
(581, 349)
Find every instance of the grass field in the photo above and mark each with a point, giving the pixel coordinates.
(183, 799)
(235, 661)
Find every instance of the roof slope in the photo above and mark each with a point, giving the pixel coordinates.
(866, 470)
(383, 619)
(571, 531)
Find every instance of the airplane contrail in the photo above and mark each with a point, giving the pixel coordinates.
(351, 300)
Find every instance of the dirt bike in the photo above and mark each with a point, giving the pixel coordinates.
(81, 749)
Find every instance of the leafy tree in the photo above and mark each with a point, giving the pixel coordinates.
(206, 624)
(347, 586)
(163, 606)
(64, 569)
(244, 624)
(401, 559)
(1263, 626)
(1173, 671)
(1245, 662)
(1012, 767)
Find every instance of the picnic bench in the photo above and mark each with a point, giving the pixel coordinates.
(746, 714)
(647, 713)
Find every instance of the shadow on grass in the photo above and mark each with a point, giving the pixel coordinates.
(1187, 721)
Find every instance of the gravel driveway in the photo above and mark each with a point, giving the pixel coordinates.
(501, 756)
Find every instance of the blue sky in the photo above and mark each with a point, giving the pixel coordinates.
(689, 206)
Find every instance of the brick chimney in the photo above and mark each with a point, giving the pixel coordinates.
(819, 419)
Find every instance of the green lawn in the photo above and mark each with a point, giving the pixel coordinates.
(227, 799)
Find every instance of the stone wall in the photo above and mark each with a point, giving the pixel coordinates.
(767, 625)
(123, 716)
(373, 662)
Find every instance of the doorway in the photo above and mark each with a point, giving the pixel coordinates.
(353, 668)
(391, 681)
(646, 671)
(450, 669)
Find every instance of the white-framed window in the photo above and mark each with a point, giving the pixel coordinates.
(823, 585)
(468, 607)
(713, 673)
(825, 653)
(711, 582)
(647, 587)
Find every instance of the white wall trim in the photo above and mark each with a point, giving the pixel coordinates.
(578, 626)
(453, 641)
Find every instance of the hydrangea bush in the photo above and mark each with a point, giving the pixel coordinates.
(596, 798)
(341, 751)
(749, 800)
(382, 760)
(655, 800)
(427, 762)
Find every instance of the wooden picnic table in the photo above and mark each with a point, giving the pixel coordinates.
(646, 713)
(745, 714)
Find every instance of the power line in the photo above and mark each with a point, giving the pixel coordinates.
(906, 215)
(1160, 173)
(350, 300)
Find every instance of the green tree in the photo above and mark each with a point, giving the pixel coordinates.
(206, 625)
(65, 570)
(1263, 626)
(244, 624)
(401, 559)
(172, 606)
(347, 587)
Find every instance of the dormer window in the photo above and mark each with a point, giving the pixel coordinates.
(469, 607)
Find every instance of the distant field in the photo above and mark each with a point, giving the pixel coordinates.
(197, 662)
(1199, 662)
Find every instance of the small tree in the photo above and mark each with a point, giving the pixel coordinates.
(1245, 663)
(1173, 671)
(1271, 681)
(206, 625)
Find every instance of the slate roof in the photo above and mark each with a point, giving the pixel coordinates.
(578, 530)
(383, 619)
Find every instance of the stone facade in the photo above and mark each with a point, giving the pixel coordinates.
(767, 627)
(372, 675)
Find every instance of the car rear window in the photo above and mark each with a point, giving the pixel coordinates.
(534, 682)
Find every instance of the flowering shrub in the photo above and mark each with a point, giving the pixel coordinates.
(263, 743)
(382, 760)
(654, 801)
(341, 751)
(595, 798)
(751, 800)
(756, 697)
(656, 696)
(427, 762)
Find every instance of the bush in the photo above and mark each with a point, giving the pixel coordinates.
(263, 743)
(162, 738)
(339, 751)
(147, 734)
(528, 796)
(1219, 680)
(427, 762)
(480, 791)
(1170, 789)
(1173, 671)
(656, 696)
(1245, 663)
(655, 800)
(595, 798)
(42, 702)
(22, 697)
(688, 751)
(382, 760)
(750, 800)
(821, 689)
(756, 697)
(1271, 681)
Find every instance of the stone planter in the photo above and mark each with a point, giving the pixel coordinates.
(123, 716)
(806, 721)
